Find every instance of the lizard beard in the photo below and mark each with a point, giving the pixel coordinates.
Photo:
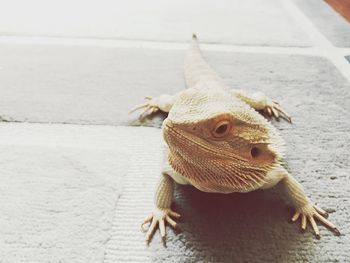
(218, 174)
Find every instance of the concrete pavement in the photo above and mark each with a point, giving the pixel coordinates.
(76, 190)
(258, 22)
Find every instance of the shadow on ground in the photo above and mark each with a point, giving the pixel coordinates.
(233, 228)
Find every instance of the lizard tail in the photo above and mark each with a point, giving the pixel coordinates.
(196, 68)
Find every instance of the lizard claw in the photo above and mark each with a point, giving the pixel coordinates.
(273, 109)
(149, 107)
(309, 213)
(158, 218)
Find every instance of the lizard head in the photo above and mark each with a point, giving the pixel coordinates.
(214, 128)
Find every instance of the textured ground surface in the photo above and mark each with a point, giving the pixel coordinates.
(59, 187)
(335, 27)
(77, 190)
(257, 22)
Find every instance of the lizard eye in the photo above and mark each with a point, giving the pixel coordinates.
(221, 129)
(255, 152)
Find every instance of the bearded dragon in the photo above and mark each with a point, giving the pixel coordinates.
(218, 142)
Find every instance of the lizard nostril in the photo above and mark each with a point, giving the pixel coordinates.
(255, 152)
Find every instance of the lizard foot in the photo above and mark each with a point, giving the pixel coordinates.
(158, 218)
(273, 109)
(150, 107)
(309, 213)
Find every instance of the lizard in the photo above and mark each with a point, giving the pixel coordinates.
(217, 140)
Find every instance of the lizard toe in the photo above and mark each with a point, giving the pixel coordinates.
(158, 219)
(309, 214)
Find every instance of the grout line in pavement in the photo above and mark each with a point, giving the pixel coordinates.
(104, 42)
(324, 46)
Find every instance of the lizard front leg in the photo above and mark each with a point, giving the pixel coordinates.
(153, 105)
(304, 208)
(259, 101)
(163, 212)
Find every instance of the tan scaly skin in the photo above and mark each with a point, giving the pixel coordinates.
(217, 141)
